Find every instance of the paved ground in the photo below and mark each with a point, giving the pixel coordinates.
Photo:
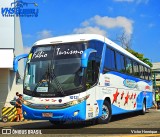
(125, 123)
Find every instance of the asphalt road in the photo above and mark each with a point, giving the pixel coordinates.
(119, 123)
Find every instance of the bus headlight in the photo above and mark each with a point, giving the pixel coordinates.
(26, 97)
(72, 103)
(75, 102)
(26, 103)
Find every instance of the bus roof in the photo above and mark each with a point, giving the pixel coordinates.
(87, 37)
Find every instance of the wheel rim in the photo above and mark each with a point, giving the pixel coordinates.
(105, 112)
(144, 108)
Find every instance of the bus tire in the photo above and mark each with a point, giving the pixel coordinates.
(143, 111)
(57, 122)
(106, 113)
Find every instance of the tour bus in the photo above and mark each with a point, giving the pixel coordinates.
(82, 77)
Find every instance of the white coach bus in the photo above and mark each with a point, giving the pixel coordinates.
(82, 77)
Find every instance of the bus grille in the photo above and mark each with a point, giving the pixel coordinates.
(46, 106)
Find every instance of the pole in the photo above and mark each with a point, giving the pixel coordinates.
(154, 83)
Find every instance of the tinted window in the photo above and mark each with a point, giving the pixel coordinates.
(99, 48)
(97, 45)
(149, 74)
(94, 61)
(141, 70)
(120, 62)
(92, 45)
(129, 69)
(109, 59)
(146, 73)
(136, 69)
(91, 70)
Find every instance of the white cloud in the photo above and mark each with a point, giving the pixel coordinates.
(100, 25)
(90, 30)
(85, 23)
(44, 34)
(118, 22)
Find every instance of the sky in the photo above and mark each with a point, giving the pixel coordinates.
(139, 19)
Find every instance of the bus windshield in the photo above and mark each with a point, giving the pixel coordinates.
(54, 70)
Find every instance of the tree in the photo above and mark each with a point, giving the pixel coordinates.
(140, 56)
(126, 42)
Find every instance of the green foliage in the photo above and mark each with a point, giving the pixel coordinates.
(140, 56)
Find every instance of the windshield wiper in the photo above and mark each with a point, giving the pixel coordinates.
(45, 78)
(50, 76)
(53, 77)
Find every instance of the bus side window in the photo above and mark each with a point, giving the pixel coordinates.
(109, 63)
(98, 46)
(129, 69)
(91, 72)
(136, 69)
(94, 61)
(146, 73)
(120, 62)
(149, 74)
(141, 70)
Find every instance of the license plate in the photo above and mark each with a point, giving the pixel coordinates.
(47, 114)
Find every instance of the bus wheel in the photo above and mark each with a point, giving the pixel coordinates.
(106, 113)
(143, 111)
(57, 122)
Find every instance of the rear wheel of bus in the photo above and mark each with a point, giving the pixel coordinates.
(106, 113)
(143, 111)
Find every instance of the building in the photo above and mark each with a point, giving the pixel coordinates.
(156, 75)
(11, 45)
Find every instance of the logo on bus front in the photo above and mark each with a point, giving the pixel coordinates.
(130, 83)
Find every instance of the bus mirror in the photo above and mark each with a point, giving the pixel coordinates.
(85, 56)
(16, 59)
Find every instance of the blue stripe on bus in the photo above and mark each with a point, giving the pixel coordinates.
(116, 110)
(100, 104)
(58, 114)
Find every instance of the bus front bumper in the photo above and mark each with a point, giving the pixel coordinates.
(73, 113)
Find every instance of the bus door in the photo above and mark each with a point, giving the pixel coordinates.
(91, 82)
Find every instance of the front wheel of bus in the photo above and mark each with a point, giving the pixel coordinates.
(106, 113)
